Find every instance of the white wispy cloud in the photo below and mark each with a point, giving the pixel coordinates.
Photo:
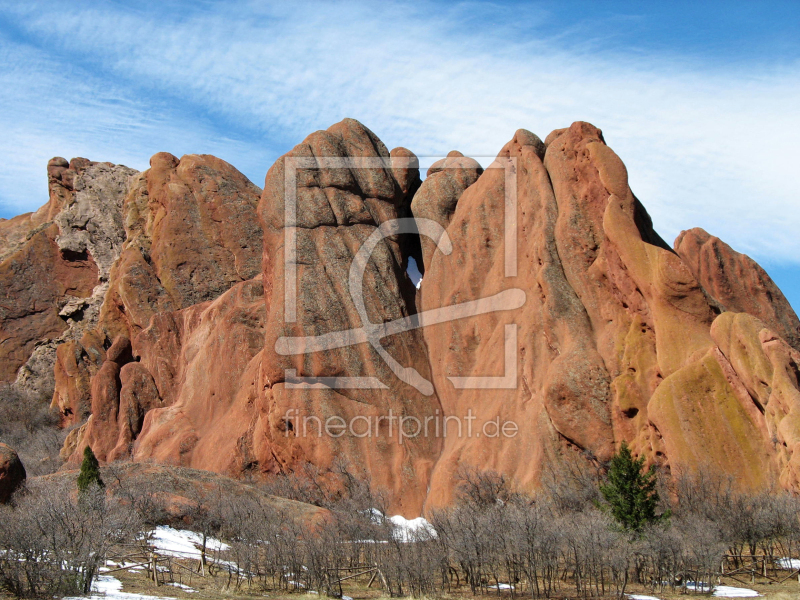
(705, 145)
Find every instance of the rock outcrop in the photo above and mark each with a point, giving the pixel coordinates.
(189, 231)
(192, 232)
(12, 473)
(337, 212)
(197, 321)
(737, 282)
(55, 264)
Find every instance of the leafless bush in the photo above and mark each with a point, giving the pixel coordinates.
(573, 482)
(306, 484)
(144, 496)
(747, 523)
(53, 540)
(413, 564)
(482, 487)
(596, 552)
(28, 425)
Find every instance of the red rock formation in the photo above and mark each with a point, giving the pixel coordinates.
(436, 199)
(35, 282)
(601, 333)
(614, 341)
(192, 232)
(53, 270)
(12, 473)
(737, 282)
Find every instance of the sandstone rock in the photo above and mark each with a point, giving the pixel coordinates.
(34, 282)
(56, 269)
(558, 388)
(704, 424)
(437, 197)
(93, 222)
(405, 168)
(737, 282)
(337, 211)
(204, 365)
(601, 333)
(763, 369)
(188, 401)
(12, 473)
(184, 232)
(192, 232)
(138, 395)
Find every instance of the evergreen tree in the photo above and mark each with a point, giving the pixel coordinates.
(90, 471)
(631, 492)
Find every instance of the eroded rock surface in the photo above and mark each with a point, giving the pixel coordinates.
(737, 282)
(190, 231)
(180, 336)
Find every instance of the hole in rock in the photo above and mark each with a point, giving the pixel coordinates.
(413, 272)
(72, 256)
(630, 412)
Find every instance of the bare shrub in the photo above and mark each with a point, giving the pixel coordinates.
(54, 540)
(572, 483)
(28, 425)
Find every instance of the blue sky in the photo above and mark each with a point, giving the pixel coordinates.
(699, 99)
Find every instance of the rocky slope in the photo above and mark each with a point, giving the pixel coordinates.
(163, 304)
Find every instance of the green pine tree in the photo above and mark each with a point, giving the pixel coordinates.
(90, 471)
(631, 492)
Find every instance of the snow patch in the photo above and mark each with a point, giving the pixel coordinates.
(182, 586)
(790, 564)
(502, 586)
(180, 543)
(725, 591)
(107, 587)
(407, 530)
(641, 597)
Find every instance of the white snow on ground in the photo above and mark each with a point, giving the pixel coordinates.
(790, 564)
(184, 587)
(106, 587)
(111, 565)
(725, 591)
(181, 543)
(502, 586)
(405, 529)
(641, 597)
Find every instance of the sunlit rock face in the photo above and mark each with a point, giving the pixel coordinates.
(190, 318)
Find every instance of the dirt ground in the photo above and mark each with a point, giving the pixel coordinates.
(215, 588)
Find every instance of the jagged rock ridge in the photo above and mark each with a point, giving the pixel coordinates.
(180, 354)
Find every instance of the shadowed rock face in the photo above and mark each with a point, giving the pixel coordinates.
(12, 473)
(605, 334)
(54, 266)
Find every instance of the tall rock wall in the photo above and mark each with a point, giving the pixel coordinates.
(194, 320)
